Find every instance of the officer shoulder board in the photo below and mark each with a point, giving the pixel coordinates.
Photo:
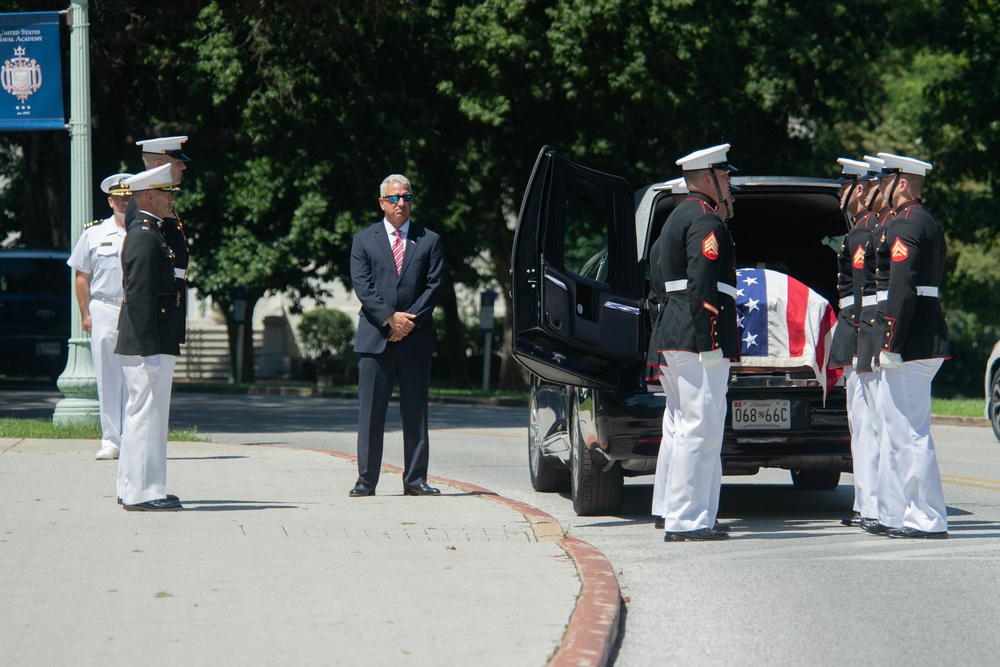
(88, 225)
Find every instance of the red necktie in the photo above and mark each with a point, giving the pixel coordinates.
(397, 251)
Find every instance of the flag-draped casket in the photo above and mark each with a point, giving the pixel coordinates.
(784, 324)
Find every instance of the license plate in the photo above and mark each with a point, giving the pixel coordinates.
(761, 415)
(47, 349)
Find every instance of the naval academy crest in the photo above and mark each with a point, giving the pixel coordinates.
(21, 76)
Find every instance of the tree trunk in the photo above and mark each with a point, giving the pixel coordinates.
(46, 186)
(232, 329)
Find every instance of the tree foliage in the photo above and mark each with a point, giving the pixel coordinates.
(296, 111)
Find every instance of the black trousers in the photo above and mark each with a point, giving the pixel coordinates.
(377, 374)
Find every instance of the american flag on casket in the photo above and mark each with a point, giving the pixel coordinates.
(784, 324)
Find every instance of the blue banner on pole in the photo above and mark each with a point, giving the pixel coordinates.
(31, 73)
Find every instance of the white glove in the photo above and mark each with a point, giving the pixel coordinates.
(152, 366)
(889, 360)
(713, 358)
(854, 362)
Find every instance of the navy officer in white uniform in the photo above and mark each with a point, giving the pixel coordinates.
(697, 338)
(96, 261)
(148, 343)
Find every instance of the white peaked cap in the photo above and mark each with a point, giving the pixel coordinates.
(853, 167)
(157, 178)
(677, 185)
(714, 157)
(907, 165)
(113, 185)
(164, 146)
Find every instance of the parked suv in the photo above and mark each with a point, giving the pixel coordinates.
(35, 313)
(580, 276)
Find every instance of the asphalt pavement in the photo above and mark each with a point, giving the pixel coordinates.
(272, 563)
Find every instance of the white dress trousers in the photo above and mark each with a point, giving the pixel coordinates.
(666, 444)
(142, 464)
(865, 432)
(905, 396)
(108, 368)
(694, 474)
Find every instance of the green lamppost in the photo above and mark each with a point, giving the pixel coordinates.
(78, 382)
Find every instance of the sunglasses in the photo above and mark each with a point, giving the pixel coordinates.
(395, 198)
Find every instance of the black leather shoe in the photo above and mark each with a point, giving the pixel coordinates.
(162, 505)
(701, 535)
(914, 534)
(720, 527)
(360, 490)
(421, 489)
(875, 528)
(170, 496)
(854, 520)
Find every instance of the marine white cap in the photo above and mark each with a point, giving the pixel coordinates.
(907, 165)
(851, 169)
(875, 165)
(115, 185)
(157, 178)
(714, 158)
(164, 146)
(677, 185)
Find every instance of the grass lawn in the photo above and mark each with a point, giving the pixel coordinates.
(958, 407)
(37, 428)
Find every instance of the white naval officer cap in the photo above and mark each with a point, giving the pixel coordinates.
(852, 170)
(157, 178)
(875, 165)
(903, 164)
(707, 158)
(677, 185)
(164, 146)
(115, 185)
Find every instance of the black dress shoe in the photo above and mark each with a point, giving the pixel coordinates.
(421, 489)
(915, 534)
(875, 528)
(720, 527)
(701, 535)
(170, 496)
(161, 505)
(854, 520)
(360, 490)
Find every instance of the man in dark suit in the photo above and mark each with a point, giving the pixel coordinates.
(147, 344)
(396, 268)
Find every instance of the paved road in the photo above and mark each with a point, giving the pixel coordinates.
(791, 587)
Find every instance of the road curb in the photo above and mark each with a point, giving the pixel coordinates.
(593, 626)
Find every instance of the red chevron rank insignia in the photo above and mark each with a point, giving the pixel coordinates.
(710, 247)
(859, 258)
(899, 251)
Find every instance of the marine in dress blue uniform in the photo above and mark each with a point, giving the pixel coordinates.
(913, 343)
(97, 262)
(843, 350)
(157, 152)
(696, 336)
(147, 344)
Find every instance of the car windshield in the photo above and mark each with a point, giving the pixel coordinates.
(25, 275)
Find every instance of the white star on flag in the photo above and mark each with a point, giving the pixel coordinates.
(739, 321)
(752, 305)
(752, 280)
(739, 293)
(750, 339)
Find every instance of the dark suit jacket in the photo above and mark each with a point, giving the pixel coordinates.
(147, 324)
(382, 292)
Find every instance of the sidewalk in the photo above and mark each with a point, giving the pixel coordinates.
(272, 564)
